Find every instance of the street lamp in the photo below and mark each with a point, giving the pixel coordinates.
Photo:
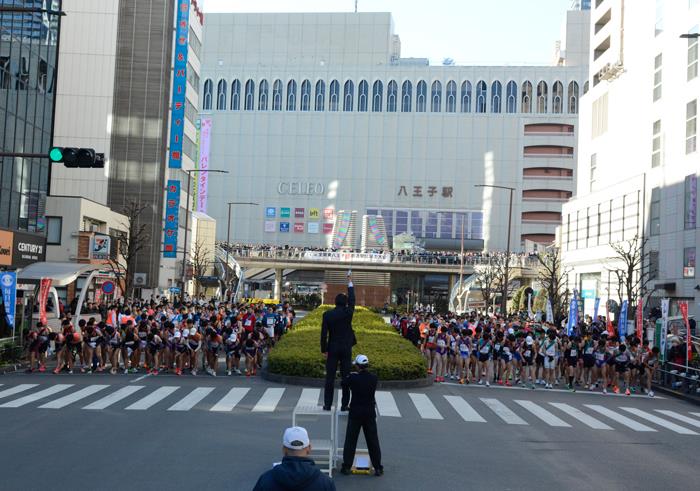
(187, 214)
(690, 35)
(228, 228)
(506, 269)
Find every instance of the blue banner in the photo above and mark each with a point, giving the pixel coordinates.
(573, 315)
(595, 309)
(8, 284)
(177, 106)
(622, 321)
(172, 209)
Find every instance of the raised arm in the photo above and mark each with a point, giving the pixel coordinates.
(351, 292)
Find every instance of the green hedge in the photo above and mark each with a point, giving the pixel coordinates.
(390, 356)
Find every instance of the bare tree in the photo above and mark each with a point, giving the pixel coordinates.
(200, 264)
(130, 245)
(488, 282)
(552, 276)
(632, 278)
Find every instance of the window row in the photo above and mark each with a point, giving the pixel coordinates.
(337, 96)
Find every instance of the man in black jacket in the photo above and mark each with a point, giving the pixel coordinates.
(363, 385)
(337, 340)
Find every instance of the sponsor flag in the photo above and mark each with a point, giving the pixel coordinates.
(622, 321)
(664, 327)
(684, 312)
(44, 288)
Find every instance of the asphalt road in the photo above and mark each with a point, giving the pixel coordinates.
(126, 431)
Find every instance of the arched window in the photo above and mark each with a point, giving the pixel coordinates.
(481, 97)
(466, 97)
(406, 96)
(573, 98)
(277, 95)
(292, 95)
(436, 97)
(421, 94)
(320, 95)
(221, 95)
(334, 96)
(362, 96)
(526, 97)
(557, 97)
(249, 95)
(206, 104)
(392, 93)
(348, 95)
(263, 91)
(236, 95)
(542, 97)
(511, 97)
(451, 97)
(305, 96)
(496, 95)
(585, 87)
(377, 96)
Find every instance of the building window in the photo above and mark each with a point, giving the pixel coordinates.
(263, 91)
(689, 262)
(446, 225)
(659, 22)
(656, 144)
(320, 95)
(466, 97)
(362, 96)
(599, 120)
(655, 212)
(691, 113)
(557, 97)
(594, 170)
(221, 95)
(392, 92)
(692, 71)
(206, 104)
(436, 97)
(658, 75)
(421, 94)
(406, 96)
(277, 95)
(377, 96)
(249, 95)
(572, 97)
(348, 95)
(526, 98)
(334, 96)
(305, 96)
(236, 95)
(690, 200)
(54, 229)
(292, 95)
(451, 97)
(496, 95)
(481, 97)
(542, 96)
(511, 97)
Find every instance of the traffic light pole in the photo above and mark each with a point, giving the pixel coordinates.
(23, 155)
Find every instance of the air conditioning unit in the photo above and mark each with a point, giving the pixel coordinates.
(604, 71)
(139, 279)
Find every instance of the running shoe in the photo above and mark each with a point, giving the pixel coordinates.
(532, 386)
(42, 368)
(508, 384)
(627, 392)
(134, 370)
(70, 372)
(481, 382)
(154, 371)
(193, 372)
(605, 391)
(238, 372)
(651, 393)
(178, 371)
(500, 382)
(228, 372)
(616, 389)
(488, 384)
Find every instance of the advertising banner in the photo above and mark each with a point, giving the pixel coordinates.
(573, 315)
(284, 227)
(285, 212)
(664, 327)
(348, 257)
(640, 318)
(550, 313)
(26, 249)
(328, 213)
(177, 105)
(270, 212)
(6, 247)
(343, 223)
(312, 227)
(596, 306)
(314, 213)
(298, 228)
(327, 228)
(8, 285)
(44, 288)
(100, 246)
(298, 212)
(269, 226)
(374, 229)
(203, 177)
(683, 306)
(172, 209)
(622, 321)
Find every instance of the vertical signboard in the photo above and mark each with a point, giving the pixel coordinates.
(172, 208)
(204, 144)
(44, 287)
(8, 284)
(177, 105)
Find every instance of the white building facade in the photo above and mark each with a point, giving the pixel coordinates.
(313, 113)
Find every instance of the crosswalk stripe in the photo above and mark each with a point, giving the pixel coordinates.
(114, 397)
(269, 400)
(153, 398)
(191, 399)
(386, 404)
(584, 418)
(74, 397)
(16, 390)
(309, 397)
(464, 409)
(37, 395)
(617, 417)
(424, 406)
(696, 414)
(680, 417)
(659, 421)
(503, 412)
(543, 414)
(229, 401)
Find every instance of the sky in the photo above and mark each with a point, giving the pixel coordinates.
(484, 32)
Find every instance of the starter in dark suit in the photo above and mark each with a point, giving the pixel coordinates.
(337, 340)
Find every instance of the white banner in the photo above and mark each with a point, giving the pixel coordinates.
(664, 327)
(550, 314)
(203, 177)
(347, 257)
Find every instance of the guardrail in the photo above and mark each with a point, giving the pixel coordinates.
(679, 377)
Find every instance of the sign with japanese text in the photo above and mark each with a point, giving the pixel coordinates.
(420, 191)
(172, 208)
(8, 285)
(203, 177)
(44, 287)
(177, 105)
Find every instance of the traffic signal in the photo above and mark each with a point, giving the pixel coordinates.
(73, 157)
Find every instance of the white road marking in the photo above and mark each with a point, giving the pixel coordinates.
(581, 416)
(309, 397)
(115, 397)
(543, 414)
(16, 390)
(153, 398)
(140, 378)
(503, 412)
(268, 402)
(191, 399)
(464, 409)
(659, 421)
(229, 401)
(539, 388)
(680, 417)
(386, 404)
(37, 395)
(617, 417)
(425, 408)
(76, 396)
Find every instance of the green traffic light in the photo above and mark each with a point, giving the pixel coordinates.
(56, 154)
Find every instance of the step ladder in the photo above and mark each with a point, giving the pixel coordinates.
(361, 464)
(323, 451)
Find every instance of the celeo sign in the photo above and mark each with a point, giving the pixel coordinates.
(300, 188)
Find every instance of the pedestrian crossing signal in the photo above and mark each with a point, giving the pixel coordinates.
(74, 158)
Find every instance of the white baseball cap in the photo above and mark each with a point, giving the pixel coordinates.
(295, 438)
(361, 360)
(511, 330)
(177, 335)
(193, 331)
(529, 340)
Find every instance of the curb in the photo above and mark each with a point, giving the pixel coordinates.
(678, 395)
(318, 382)
(14, 368)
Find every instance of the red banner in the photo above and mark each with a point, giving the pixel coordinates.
(683, 306)
(44, 288)
(609, 325)
(640, 319)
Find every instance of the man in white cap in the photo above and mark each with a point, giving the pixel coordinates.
(296, 472)
(362, 385)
